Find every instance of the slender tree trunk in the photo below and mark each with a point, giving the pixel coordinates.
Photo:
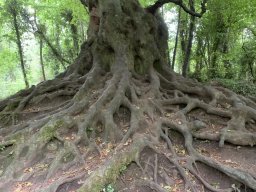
(82, 27)
(74, 32)
(199, 58)
(41, 58)
(204, 53)
(189, 44)
(54, 50)
(226, 61)
(213, 64)
(176, 40)
(183, 37)
(219, 45)
(68, 15)
(20, 50)
(58, 47)
(168, 50)
(252, 71)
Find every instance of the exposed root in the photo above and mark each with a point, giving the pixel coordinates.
(150, 119)
(80, 140)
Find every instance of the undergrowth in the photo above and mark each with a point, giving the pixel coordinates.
(241, 87)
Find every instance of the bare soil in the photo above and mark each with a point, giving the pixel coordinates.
(131, 177)
(119, 118)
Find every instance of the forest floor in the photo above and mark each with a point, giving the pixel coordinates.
(118, 119)
(241, 157)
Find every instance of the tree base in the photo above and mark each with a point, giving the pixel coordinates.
(111, 122)
(117, 100)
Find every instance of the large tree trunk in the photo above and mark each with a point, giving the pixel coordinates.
(121, 69)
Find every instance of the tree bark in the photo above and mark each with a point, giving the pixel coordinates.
(122, 67)
(74, 32)
(68, 14)
(19, 45)
(185, 66)
(41, 59)
(225, 51)
(53, 49)
(199, 58)
(214, 58)
(176, 39)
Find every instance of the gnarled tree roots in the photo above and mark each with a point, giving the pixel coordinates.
(105, 125)
(81, 130)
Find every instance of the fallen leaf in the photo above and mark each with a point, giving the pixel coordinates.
(28, 170)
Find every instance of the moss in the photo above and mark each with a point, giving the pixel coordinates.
(5, 163)
(157, 65)
(18, 137)
(48, 131)
(68, 157)
(123, 169)
(2, 147)
(107, 56)
(12, 106)
(111, 171)
(139, 66)
(110, 176)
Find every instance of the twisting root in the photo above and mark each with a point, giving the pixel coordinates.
(79, 140)
(149, 121)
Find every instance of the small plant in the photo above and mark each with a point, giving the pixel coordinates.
(216, 185)
(123, 168)
(241, 87)
(89, 129)
(2, 147)
(108, 188)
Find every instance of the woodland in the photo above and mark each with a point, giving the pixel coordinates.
(127, 95)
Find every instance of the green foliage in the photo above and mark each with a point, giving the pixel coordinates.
(146, 2)
(123, 168)
(108, 188)
(2, 147)
(49, 16)
(226, 46)
(240, 87)
(8, 60)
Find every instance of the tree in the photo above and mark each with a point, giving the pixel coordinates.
(176, 40)
(190, 39)
(68, 15)
(15, 10)
(122, 66)
(221, 31)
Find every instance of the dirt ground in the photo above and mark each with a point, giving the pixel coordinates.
(242, 157)
(137, 176)
(235, 156)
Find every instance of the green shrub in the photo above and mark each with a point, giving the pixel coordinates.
(108, 188)
(241, 87)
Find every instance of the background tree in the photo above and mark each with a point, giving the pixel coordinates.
(48, 13)
(15, 10)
